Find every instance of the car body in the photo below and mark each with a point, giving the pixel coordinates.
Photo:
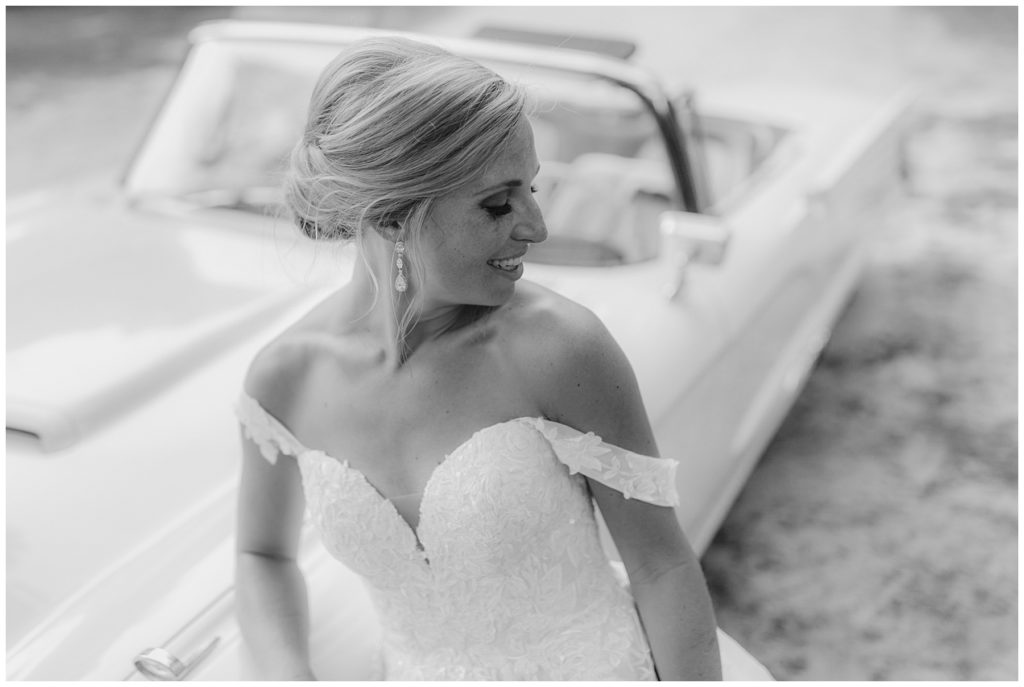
(718, 243)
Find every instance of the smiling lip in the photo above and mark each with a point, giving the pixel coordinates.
(507, 264)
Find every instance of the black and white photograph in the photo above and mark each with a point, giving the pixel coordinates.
(512, 342)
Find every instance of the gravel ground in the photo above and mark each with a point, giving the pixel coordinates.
(877, 538)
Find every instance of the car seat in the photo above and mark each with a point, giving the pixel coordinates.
(612, 200)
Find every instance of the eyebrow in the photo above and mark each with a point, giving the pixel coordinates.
(511, 183)
(514, 183)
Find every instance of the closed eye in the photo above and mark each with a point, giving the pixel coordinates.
(498, 204)
(501, 204)
(498, 210)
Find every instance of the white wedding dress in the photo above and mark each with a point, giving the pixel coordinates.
(504, 576)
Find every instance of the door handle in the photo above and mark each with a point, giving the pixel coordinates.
(160, 664)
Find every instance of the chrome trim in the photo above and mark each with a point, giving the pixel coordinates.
(161, 665)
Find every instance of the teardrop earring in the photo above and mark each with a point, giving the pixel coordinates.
(401, 283)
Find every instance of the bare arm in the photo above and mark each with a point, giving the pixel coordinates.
(665, 576)
(273, 610)
(668, 586)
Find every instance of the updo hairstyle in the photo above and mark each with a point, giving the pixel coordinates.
(394, 123)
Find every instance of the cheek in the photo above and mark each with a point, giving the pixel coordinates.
(460, 253)
(456, 256)
(446, 268)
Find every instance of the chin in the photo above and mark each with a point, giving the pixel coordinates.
(484, 293)
(491, 297)
(504, 295)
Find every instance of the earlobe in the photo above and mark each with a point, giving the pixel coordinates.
(389, 231)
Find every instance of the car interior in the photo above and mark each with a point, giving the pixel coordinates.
(603, 195)
(605, 177)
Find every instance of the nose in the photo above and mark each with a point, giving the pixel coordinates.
(531, 227)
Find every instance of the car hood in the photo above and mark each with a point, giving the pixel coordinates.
(107, 304)
(118, 320)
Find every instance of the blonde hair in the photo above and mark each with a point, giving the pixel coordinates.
(394, 123)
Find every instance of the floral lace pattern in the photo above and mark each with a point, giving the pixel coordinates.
(265, 431)
(636, 476)
(504, 576)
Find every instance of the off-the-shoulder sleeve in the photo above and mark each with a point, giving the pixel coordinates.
(637, 476)
(272, 437)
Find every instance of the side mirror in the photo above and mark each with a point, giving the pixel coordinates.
(688, 238)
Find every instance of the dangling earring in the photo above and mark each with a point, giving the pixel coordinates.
(401, 283)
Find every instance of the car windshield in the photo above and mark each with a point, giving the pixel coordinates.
(224, 137)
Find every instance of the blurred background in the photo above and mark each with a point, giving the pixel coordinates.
(877, 538)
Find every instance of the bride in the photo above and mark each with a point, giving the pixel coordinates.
(450, 427)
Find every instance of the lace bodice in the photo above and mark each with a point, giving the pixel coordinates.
(504, 576)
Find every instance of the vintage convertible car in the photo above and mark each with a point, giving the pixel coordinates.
(719, 245)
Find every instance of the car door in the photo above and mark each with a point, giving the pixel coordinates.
(798, 201)
(760, 289)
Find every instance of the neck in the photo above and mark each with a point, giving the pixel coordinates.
(380, 310)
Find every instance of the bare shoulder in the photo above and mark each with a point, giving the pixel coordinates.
(544, 312)
(277, 374)
(577, 371)
(551, 335)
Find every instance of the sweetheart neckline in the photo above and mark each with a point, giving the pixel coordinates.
(275, 439)
(413, 530)
(299, 450)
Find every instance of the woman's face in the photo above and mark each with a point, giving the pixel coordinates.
(475, 238)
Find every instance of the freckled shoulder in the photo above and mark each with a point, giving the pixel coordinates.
(539, 312)
(563, 349)
(278, 373)
(575, 370)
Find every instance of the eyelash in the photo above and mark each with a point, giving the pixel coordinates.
(496, 211)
